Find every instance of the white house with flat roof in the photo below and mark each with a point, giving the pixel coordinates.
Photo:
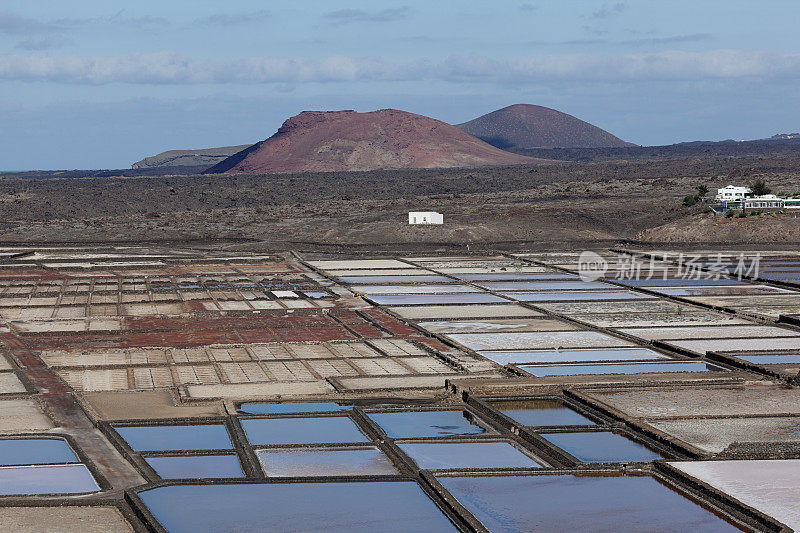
(768, 201)
(425, 217)
(732, 193)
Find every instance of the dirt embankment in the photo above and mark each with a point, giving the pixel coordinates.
(710, 228)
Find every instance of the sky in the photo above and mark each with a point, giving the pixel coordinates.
(102, 83)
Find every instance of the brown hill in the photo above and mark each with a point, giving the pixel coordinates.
(532, 126)
(319, 141)
(186, 158)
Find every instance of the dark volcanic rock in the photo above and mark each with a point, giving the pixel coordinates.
(532, 126)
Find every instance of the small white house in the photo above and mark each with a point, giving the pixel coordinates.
(425, 217)
(732, 193)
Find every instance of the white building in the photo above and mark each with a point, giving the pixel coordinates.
(425, 217)
(768, 201)
(732, 193)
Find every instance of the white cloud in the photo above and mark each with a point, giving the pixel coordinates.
(346, 16)
(172, 68)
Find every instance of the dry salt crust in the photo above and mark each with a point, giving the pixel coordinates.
(64, 519)
(772, 312)
(360, 264)
(541, 340)
(490, 326)
(618, 307)
(21, 415)
(520, 286)
(714, 435)
(660, 319)
(737, 400)
(412, 289)
(412, 271)
(709, 332)
(464, 311)
(10, 384)
(772, 487)
(751, 301)
(738, 345)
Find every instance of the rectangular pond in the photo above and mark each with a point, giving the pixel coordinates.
(569, 503)
(541, 413)
(617, 368)
(417, 278)
(310, 430)
(196, 466)
(544, 285)
(436, 299)
(574, 356)
(754, 290)
(359, 507)
(465, 311)
(489, 326)
(16, 452)
(657, 281)
(442, 288)
(61, 479)
(178, 437)
(327, 461)
(517, 276)
(602, 447)
(739, 345)
(420, 424)
(540, 340)
(570, 296)
(709, 332)
(443, 455)
(290, 407)
(771, 359)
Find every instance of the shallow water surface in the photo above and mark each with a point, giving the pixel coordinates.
(414, 424)
(342, 461)
(602, 447)
(399, 506)
(322, 430)
(197, 466)
(15, 452)
(425, 299)
(772, 359)
(580, 503)
(633, 368)
(62, 479)
(440, 455)
(541, 413)
(165, 438)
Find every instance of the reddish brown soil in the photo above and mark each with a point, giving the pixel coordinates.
(317, 141)
(532, 126)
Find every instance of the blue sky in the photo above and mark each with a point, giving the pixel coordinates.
(101, 84)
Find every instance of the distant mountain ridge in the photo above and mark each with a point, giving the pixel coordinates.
(525, 126)
(328, 141)
(189, 158)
